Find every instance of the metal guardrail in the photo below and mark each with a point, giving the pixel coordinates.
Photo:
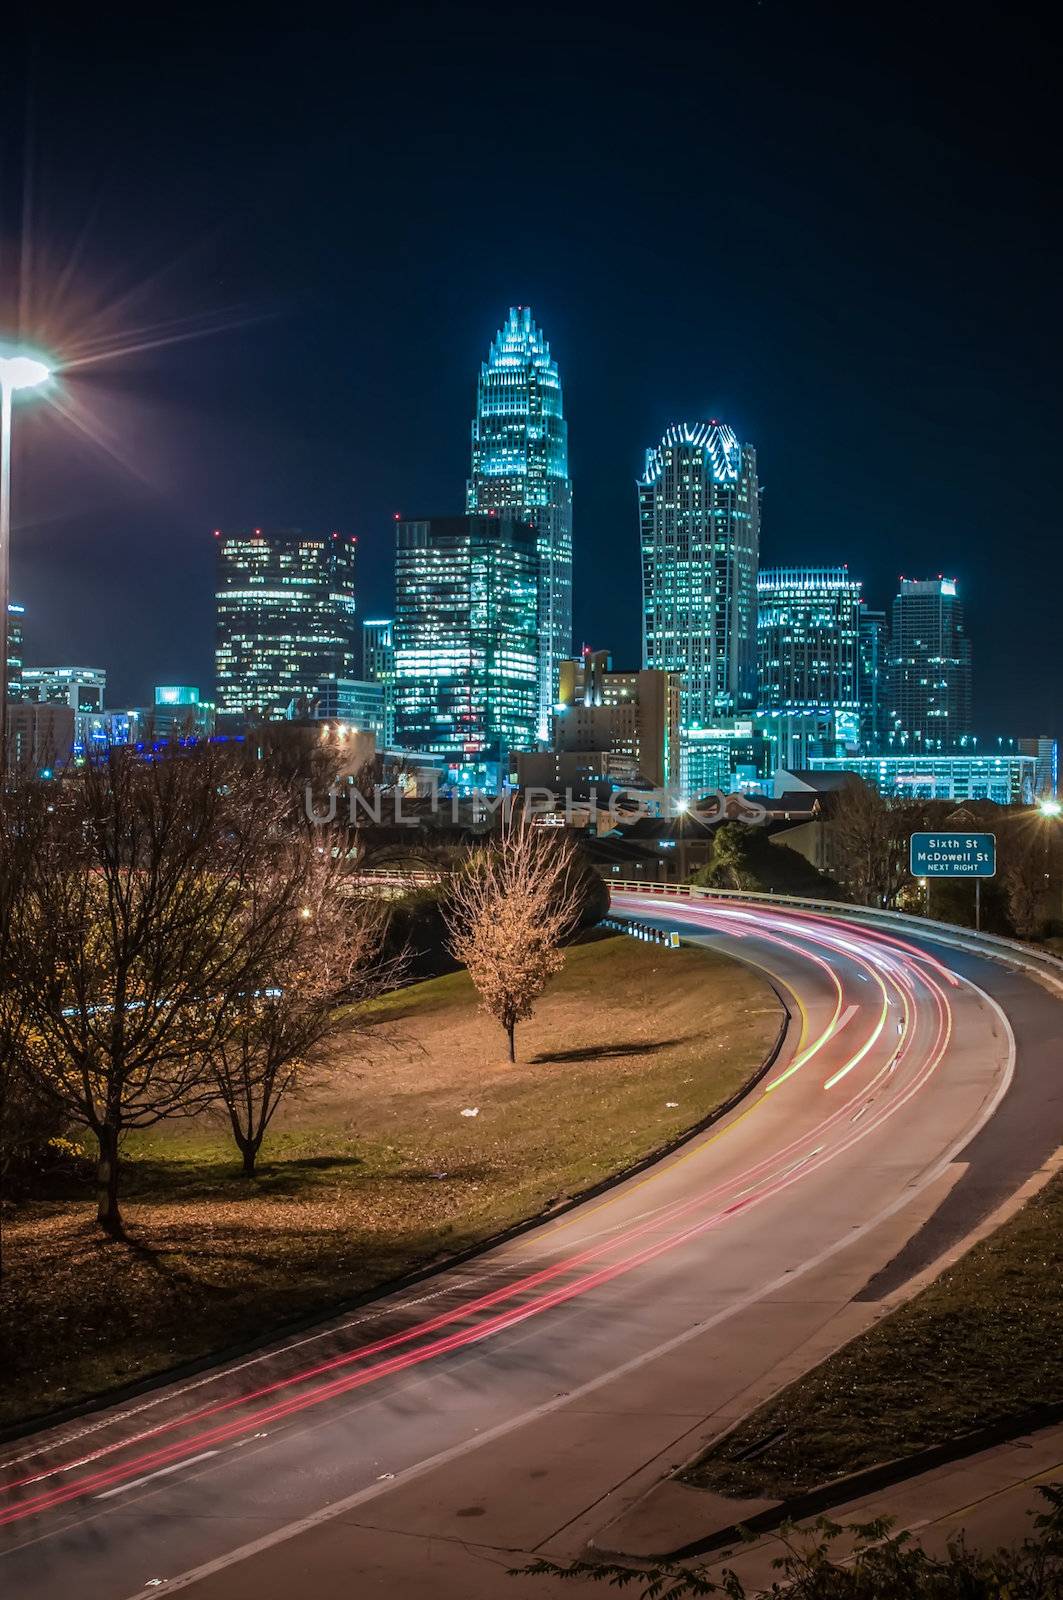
(642, 930)
(394, 875)
(990, 944)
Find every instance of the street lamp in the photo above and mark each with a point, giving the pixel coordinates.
(1049, 808)
(17, 371)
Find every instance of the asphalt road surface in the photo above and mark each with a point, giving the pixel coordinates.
(425, 1443)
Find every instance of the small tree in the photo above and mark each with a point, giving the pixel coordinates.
(332, 955)
(507, 914)
(744, 857)
(135, 942)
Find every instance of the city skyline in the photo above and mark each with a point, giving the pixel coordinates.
(858, 329)
(519, 467)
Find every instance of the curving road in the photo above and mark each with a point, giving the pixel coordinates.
(517, 1403)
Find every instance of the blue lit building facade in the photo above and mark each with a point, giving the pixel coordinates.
(466, 642)
(929, 705)
(808, 660)
(15, 645)
(378, 666)
(699, 516)
(874, 677)
(1009, 778)
(520, 465)
(285, 619)
(353, 703)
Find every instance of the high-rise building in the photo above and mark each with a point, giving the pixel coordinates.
(466, 645)
(354, 703)
(699, 512)
(285, 619)
(83, 689)
(15, 646)
(929, 667)
(874, 677)
(378, 666)
(631, 716)
(520, 465)
(808, 660)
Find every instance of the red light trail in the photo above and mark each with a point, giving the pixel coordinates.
(884, 960)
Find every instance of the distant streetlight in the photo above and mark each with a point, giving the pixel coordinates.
(1050, 808)
(17, 371)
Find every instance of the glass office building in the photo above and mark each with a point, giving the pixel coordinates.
(520, 465)
(874, 677)
(353, 703)
(929, 706)
(285, 619)
(699, 515)
(1008, 779)
(15, 646)
(378, 666)
(466, 641)
(808, 660)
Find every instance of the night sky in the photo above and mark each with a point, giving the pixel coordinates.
(831, 226)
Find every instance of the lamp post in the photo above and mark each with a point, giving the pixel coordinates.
(17, 371)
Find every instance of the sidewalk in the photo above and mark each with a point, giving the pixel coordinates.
(989, 1496)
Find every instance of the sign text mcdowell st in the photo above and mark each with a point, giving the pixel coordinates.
(953, 855)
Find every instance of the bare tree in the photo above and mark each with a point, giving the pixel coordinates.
(870, 834)
(507, 914)
(136, 942)
(1029, 862)
(332, 956)
(24, 820)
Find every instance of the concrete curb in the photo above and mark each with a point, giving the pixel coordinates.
(43, 1421)
(871, 1479)
(898, 1470)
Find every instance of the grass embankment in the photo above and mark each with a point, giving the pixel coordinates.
(982, 1343)
(374, 1171)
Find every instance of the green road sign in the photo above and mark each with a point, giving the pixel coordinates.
(953, 855)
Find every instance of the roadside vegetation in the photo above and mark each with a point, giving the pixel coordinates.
(745, 858)
(869, 839)
(865, 1562)
(413, 1138)
(981, 1344)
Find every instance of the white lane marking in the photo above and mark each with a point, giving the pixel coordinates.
(339, 1507)
(846, 1016)
(163, 1472)
(373, 1311)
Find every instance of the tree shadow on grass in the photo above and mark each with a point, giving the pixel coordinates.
(596, 1052)
(160, 1182)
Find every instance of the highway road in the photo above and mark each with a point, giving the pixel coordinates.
(514, 1403)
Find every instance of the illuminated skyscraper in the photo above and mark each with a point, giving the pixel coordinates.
(15, 645)
(699, 510)
(466, 651)
(874, 672)
(378, 666)
(929, 667)
(520, 464)
(285, 619)
(808, 660)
